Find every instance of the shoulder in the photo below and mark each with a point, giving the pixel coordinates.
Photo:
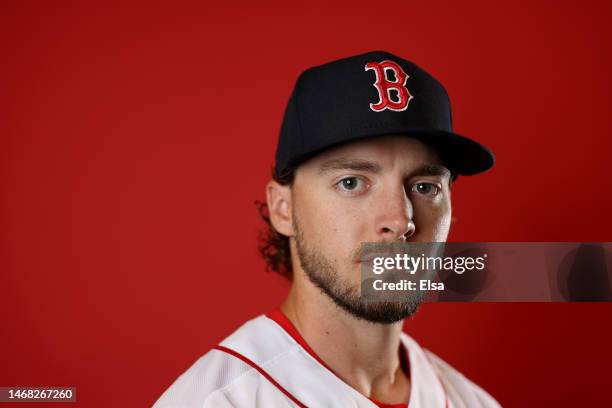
(220, 379)
(210, 374)
(459, 390)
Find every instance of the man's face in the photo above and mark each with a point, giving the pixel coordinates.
(386, 189)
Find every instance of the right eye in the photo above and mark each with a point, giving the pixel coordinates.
(351, 185)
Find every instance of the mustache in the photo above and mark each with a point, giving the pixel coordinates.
(369, 250)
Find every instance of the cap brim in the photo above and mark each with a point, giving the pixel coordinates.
(461, 155)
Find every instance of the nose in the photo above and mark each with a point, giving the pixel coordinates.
(395, 213)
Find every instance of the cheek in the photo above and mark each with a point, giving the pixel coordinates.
(432, 222)
(441, 234)
(330, 224)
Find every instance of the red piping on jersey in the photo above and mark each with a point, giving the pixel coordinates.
(283, 321)
(262, 372)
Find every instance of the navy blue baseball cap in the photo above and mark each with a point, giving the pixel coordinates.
(368, 95)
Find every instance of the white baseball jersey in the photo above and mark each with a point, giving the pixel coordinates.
(266, 363)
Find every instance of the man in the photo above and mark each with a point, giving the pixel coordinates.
(366, 154)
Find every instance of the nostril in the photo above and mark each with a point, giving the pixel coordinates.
(411, 230)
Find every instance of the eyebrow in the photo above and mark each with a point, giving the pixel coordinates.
(350, 164)
(372, 167)
(430, 170)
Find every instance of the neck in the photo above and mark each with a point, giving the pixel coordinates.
(365, 355)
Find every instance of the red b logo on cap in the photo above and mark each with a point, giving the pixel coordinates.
(384, 86)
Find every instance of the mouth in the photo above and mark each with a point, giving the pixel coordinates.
(370, 250)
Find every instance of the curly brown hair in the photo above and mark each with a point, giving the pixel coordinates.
(272, 245)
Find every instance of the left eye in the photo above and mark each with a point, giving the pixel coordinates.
(427, 189)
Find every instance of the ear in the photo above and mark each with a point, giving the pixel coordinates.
(279, 207)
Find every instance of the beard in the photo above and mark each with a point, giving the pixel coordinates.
(321, 272)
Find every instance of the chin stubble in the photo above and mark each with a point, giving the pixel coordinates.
(322, 273)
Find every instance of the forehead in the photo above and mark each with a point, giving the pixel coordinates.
(402, 152)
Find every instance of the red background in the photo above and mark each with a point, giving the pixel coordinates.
(134, 141)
